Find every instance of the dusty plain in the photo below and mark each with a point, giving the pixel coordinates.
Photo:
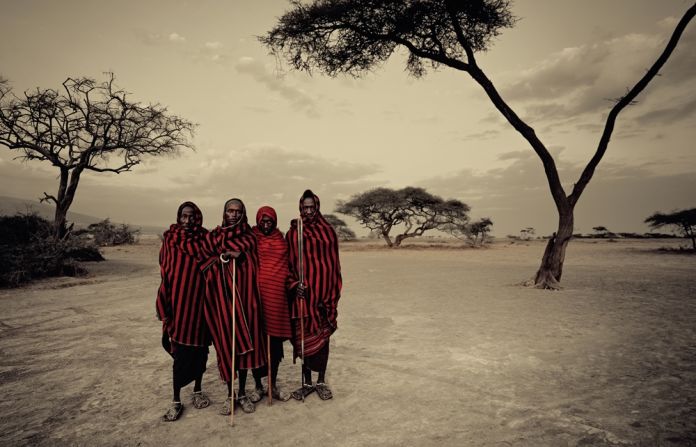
(437, 346)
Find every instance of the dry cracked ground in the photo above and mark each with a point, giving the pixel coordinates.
(436, 346)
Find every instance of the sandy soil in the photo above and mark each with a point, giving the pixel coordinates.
(435, 347)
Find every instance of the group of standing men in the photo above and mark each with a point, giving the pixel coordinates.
(247, 289)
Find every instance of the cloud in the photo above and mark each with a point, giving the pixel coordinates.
(146, 37)
(175, 37)
(619, 196)
(259, 174)
(212, 51)
(153, 38)
(586, 79)
(515, 195)
(516, 155)
(298, 98)
(483, 135)
(680, 110)
(258, 109)
(267, 174)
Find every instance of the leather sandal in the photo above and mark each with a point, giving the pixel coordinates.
(246, 404)
(323, 391)
(200, 400)
(173, 412)
(303, 392)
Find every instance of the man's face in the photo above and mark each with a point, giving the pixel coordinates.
(309, 208)
(187, 217)
(266, 225)
(233, 213)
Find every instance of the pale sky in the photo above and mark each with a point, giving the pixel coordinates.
(267, 133)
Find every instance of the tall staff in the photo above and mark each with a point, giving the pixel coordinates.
(300, 267)
(226, 260)
(234, 329)
(268, 362)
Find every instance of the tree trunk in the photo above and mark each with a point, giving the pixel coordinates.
(549, 274)
(398, 239)
(66, 195)
(689, 232)
(59, 221)
(61, 211)
(387, 239)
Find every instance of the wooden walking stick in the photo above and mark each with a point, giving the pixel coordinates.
(300, 268)
(234, 330)
(268, 357)
(226, 260)
(234, 318)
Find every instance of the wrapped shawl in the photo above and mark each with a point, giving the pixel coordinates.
(322, 277)
(250, 349)
(181, 294)
(273, 276)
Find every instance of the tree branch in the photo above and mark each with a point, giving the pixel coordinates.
(48, 198)
(588, 172)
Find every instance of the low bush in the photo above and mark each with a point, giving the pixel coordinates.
(29, 251)
(107, 234)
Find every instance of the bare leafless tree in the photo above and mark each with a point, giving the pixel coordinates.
(354, 36)
(86, 126)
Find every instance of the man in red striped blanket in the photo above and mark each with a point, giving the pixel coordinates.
(179, 306)
(318, 295)
(273, 281)
(233, 239)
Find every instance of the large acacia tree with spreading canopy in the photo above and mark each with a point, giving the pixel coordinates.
(413, 210)
(353, 36)
(86, 126)
(684, 221)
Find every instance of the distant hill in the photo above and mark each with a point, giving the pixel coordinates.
(14, 205)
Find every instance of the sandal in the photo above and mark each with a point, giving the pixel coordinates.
(200, 400)
(257, 394)
(226, 408)
(280, 394)
(301, 393)
(324, 391)
(173, 412)
(246, 404)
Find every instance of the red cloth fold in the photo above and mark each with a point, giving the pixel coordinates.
(250, 346)
(181, 294)
(322, 278)
(273, 276)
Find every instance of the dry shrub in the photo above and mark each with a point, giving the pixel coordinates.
(107, 234)
(28, 250)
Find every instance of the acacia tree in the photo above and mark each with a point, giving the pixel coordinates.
(602, 231)
(475, 233)
(378, 209)
(343, 232)
(425, 211)
(684, 221)
(353, 36)
(480, 228)
(527, 233)
(86, 126)
(413, 209)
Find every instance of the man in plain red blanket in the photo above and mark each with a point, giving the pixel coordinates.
(318, 295)
(273, 280)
